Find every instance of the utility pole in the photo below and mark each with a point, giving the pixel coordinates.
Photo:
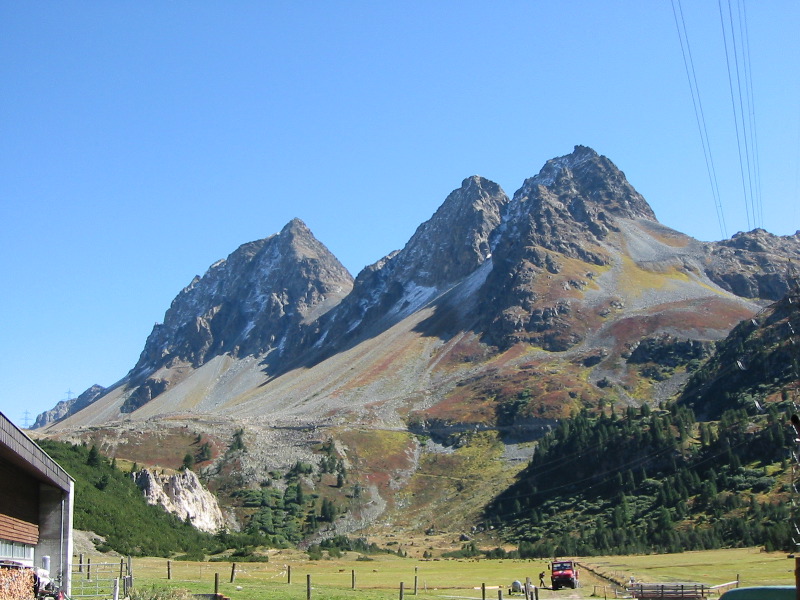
(793, 298)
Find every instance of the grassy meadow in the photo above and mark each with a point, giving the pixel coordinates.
(380, 577)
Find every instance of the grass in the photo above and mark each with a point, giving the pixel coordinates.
(380, 578)
(713, 567)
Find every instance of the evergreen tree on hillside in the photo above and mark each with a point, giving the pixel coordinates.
(108, 502)
(651, 481)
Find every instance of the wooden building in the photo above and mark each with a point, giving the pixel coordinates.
(36, 500)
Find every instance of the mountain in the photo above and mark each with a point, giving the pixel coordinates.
(443, 252)
(66, 407)
(252, 303)
(759, 358)
(497, 320)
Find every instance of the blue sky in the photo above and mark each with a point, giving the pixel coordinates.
(141, 142)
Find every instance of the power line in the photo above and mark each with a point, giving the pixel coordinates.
(742, 135)
(691, 76)
(752, 110)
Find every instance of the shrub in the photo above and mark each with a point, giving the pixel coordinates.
(153, 592)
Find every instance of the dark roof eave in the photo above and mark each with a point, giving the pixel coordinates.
(23, 452)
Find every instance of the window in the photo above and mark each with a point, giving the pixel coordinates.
(16, 551)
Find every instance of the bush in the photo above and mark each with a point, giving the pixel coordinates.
(153, 592)
(192, 557)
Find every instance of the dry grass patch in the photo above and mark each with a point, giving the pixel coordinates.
(448, 491)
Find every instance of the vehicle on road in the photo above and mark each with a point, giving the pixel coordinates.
(563, 573)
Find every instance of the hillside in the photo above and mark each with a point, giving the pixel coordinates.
(108, 503)
(652, 482)
(445, 361)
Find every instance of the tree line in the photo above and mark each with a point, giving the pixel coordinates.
(651, 481)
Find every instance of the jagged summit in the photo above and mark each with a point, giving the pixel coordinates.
(584, 178)
(451, 245)
(455, 240)
(753, 264)
(575, 263)
(250, 303)
(570, 208)
(502, 316)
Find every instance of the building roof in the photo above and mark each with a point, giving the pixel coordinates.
(20, 450)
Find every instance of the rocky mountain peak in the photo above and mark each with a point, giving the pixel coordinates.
(455, 240)
(297, 237)
(753, 264)
(568, 213)
(449, 246)
(68, 407)
(586, 183)
(250, 303)
(570, 207)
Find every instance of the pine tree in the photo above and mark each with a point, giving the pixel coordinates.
(188, 462)
(93, 459)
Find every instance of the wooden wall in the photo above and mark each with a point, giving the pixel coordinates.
(19, 505)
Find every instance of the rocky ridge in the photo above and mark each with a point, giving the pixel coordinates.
(65, 408)
(444, 250)
(497, 316)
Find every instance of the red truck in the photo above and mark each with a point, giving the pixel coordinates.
(563, 573)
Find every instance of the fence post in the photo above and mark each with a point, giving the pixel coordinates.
(308, 586)
(88, 569)
(80, 563)
(216, 584)
(116, 589)
(288, 573)
(483, 591)
(402, 590)
(796, 573)
(416, 577)
(169, 569)
(353, 578)
(500, 594)
(233, 572)
(121, 567)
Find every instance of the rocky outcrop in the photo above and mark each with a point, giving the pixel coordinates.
(183, 495)
(68, 407)
(754, 264)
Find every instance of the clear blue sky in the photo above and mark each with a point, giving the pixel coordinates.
(142, 141)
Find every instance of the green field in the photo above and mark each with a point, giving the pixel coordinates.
(381, 577)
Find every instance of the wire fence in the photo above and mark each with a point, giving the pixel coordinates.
(101, 580)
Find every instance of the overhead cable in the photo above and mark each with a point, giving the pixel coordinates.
(691, 76)
(743, 146)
